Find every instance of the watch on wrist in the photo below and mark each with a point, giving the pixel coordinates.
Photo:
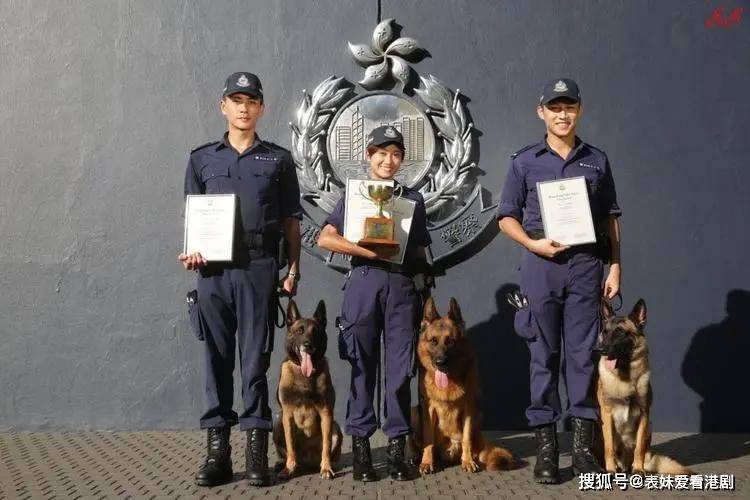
(295, 276)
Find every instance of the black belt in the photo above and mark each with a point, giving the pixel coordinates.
(253, 240)
(379, 264)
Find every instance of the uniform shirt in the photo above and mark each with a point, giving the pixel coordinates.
(538, 162)
(418, 234)
(263, 177)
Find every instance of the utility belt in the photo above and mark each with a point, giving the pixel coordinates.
(257, 244)
(602, 248)
(422, 275)
(380, 264)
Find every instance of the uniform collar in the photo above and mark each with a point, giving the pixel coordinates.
(224, 143)
(544, 147)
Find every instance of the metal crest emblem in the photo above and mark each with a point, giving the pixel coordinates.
(329, 140)
(560, 86)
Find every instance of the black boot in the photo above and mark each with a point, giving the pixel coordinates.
(363, 469)
(397, 467)
(256, 457)
(546, 470)
(217, 469)
(584, 461)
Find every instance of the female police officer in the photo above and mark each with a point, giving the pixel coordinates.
(379, 296)
(562, 285)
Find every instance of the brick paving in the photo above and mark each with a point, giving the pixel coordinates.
(161, 464)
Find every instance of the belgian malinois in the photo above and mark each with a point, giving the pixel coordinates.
(307, 437)
(448, 428)
(623, 392)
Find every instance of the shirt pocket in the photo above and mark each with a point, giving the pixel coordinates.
(266, 179)
(535, 174)
(215, 176)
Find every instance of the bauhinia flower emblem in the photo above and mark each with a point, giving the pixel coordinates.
(385, 56)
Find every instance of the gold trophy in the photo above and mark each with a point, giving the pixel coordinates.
(379, 230)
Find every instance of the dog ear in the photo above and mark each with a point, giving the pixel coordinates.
(292, 313)
(638, 314)
(607, 310)
(320, 314)
(430, 311)
(454, 312)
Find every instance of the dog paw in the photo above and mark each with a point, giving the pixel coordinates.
(287, 473)
(326, 473)
(426, 468)
(469, 465)
(638, 472)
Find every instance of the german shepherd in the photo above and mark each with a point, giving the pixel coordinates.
(623, 393)
(307, 435)
(449, 424)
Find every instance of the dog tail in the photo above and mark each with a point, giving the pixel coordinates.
(661, 464)
(496, 458)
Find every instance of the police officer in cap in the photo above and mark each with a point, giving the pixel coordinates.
(563, 285)
(380, 298)
(234, 302)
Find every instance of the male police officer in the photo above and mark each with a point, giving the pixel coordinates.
(237, 296)
(562, 284)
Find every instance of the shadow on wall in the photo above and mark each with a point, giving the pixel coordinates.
(716, 367)
(503, 360)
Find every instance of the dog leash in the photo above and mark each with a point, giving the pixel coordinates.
(280, 312)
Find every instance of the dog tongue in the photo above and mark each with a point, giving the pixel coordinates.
(305, 363)
(441, 379)
(610, 363)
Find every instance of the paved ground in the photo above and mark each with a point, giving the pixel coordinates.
(161, 465)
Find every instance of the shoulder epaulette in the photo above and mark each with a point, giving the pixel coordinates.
(595, 148)
(204, 146)
(525, 148)
(273, 145)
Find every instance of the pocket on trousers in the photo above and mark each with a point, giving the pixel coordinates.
(194, 313)
(526, 325)
(347, 342)
(413, 357)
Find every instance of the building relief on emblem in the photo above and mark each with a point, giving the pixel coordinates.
(349, 130)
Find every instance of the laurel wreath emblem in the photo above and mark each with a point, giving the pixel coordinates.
(308, 140)
(449, 115)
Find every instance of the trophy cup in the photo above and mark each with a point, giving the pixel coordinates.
(379, 230)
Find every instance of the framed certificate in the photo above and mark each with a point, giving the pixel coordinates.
(358, 208)
(209, 225)
(566, 213)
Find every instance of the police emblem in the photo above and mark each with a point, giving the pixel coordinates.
(242, 81)
(560, 86)
(331, 131)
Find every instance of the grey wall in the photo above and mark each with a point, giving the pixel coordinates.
(100, 103)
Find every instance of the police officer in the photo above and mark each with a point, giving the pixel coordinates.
(235, 301)
(380, 297)
(563, 285)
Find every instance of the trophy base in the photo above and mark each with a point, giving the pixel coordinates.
(377, 242)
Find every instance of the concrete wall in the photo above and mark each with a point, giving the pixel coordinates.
(100, 103)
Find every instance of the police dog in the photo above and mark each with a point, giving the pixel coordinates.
(307, 437)
(623, 392)
(448, 428)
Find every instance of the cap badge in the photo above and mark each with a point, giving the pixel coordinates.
(243, 81)
(560, 86)
(389, 132)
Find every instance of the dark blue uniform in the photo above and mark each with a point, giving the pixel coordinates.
(379, 298)
(237, 296)
(564, 293)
